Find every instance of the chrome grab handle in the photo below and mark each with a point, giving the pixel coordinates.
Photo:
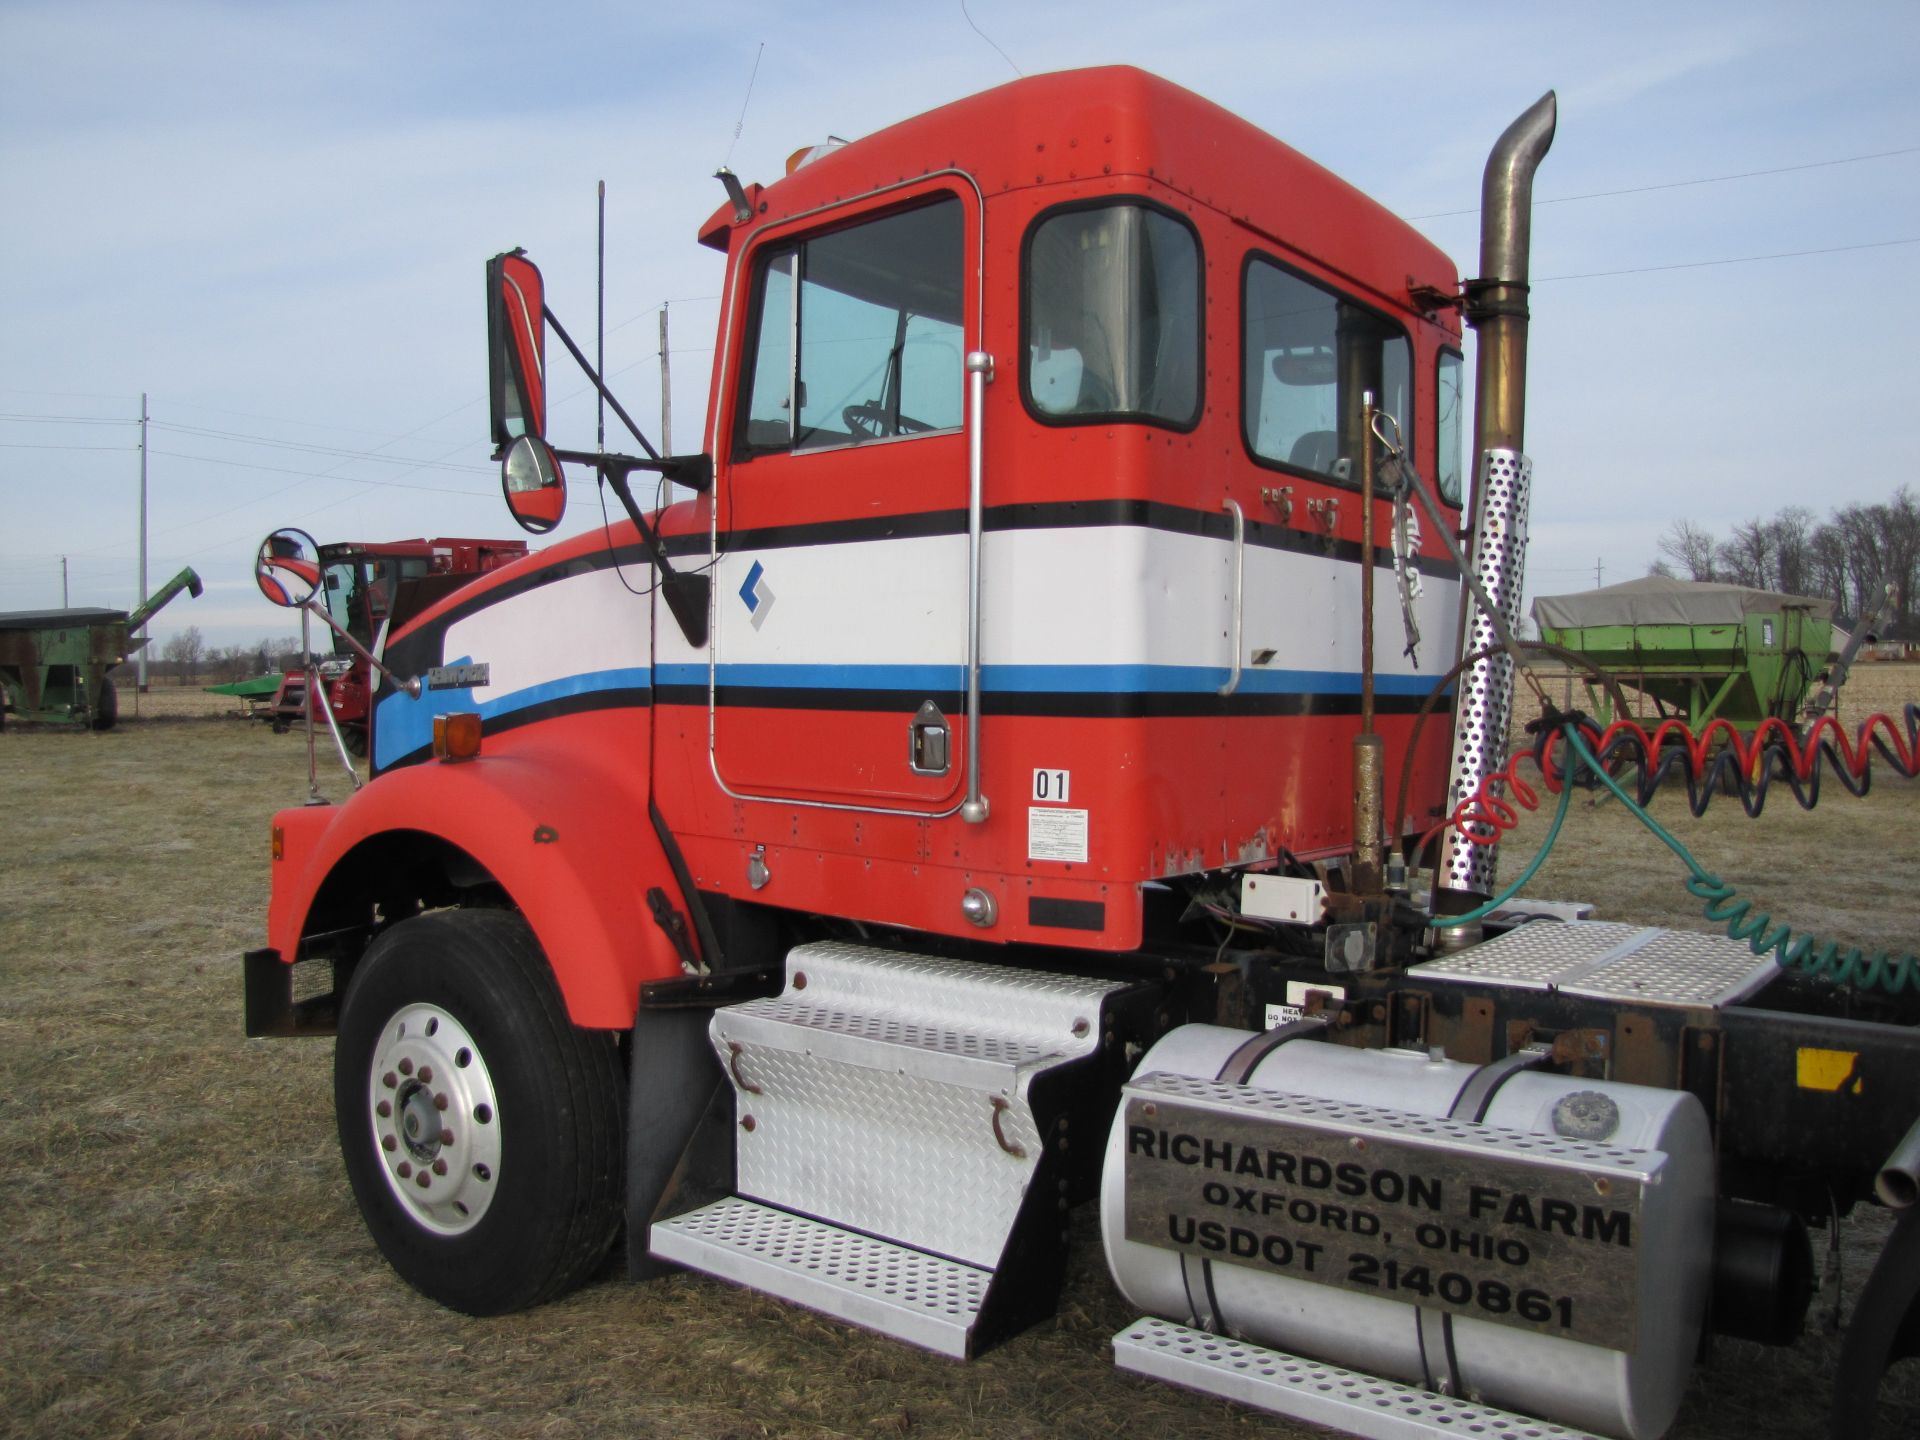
(979, 372)
(1239, 593)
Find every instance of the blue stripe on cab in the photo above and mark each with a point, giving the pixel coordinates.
(404, 725)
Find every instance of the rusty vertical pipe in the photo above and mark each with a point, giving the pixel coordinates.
(1369, 756)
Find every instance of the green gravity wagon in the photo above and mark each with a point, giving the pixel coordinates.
(1701, 650)
(54, 663)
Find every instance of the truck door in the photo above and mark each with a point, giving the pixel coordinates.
(838, 662)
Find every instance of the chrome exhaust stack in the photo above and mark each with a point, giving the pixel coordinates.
(1496, 306)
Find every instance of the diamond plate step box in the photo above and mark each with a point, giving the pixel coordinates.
(922, 1105)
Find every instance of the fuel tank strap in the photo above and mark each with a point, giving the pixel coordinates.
(1437, 1355)
(1197, 1274)
(1240, 1065)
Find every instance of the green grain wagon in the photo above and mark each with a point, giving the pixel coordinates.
(1701, 650)
(54, 663)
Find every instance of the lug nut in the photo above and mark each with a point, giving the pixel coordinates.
(746, 1124)
(389, 1080)
(439, 1168)
(423, 1180)
(440, 1102)
(406, 1067)
(446, 1137)
(426, 1074)
(387, 1142)
(383, 1109)
(406, 1170)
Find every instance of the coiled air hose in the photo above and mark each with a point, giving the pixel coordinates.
(1484, 816)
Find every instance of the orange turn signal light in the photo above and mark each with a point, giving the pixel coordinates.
(279, 842)
(457, 736)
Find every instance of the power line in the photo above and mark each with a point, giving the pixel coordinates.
(323, 474)
(1684, 184)
(66, 420)
(313, 449)
(1731, 260)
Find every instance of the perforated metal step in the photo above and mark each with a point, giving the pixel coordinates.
(1319, 1394)
(913, 1296)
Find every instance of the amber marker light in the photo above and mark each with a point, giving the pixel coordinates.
(457, 736)
(279, 842)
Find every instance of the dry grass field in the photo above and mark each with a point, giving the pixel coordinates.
(179, 1255)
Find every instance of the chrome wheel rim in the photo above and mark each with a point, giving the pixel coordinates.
(435, 1119)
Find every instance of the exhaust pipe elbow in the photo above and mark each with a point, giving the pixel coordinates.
(1506, 193)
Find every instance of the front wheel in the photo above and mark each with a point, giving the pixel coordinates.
(482, 1131)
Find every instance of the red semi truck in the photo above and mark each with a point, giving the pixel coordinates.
(970, 797)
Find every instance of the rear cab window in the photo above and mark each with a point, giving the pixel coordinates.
(1309, 354)
(1113, 316)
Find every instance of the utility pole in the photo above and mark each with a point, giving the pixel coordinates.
(1599, 566)
(64, 602)
(141, 594)
(666, 388)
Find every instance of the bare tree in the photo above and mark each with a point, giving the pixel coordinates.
(1692, 549)
(185, 650)
(1747, 558)
(1790, 538)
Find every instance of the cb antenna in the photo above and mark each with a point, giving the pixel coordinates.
(741, 123)
(600, 326)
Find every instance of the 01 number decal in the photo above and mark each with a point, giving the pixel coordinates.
(1050, 786)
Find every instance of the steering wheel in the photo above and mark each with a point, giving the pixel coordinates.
(872, 422)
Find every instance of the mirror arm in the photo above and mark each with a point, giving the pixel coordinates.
(693, 471)
(412, 687)
(685, 592)
(599, 384)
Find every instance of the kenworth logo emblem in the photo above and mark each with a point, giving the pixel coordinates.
(457, 677)
(757, 594)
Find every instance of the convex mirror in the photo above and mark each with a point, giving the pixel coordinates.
(536, 490)
(288, 568)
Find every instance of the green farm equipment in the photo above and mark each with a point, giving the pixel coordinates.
(54, 663)
(1700, 650)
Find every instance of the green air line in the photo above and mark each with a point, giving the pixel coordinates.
(1822, 958)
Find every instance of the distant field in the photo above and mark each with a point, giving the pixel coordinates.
(179, 1255)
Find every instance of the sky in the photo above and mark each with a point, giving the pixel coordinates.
(270, 219)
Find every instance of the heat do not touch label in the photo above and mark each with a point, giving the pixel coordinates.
(1054, 833)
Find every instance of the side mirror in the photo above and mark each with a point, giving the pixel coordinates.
(516, 348)
(288, 568)
(536, 491)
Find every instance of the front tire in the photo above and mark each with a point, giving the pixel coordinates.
(482, 1131)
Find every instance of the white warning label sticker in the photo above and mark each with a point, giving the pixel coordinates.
(1056, 834)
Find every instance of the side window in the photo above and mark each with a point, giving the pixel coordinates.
(1309, 356)
(857, 334)
(1450, 422)
(1113, 316)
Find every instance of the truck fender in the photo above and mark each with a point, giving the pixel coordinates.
(568, 842)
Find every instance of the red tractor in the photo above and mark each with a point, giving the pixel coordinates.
(368, 585)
